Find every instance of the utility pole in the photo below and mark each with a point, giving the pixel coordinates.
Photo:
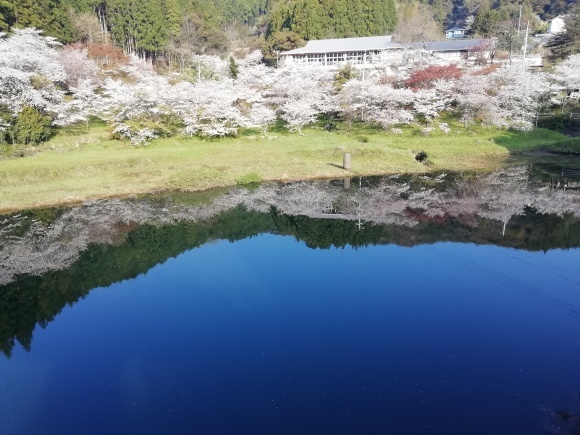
(364, 66)
(525, 47)
(520, 18)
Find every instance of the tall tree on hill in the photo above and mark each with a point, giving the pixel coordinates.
(339, 12)
(315, 19)
(138, 26)
(6, 15)
(487, 19)
(173, 18)
(151, 28)
(310, 20)
(48, 15)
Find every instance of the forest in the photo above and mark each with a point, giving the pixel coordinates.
(153, 28)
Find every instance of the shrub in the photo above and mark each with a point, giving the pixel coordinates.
(362, 139)
(233, 68)
(249, 178)
(30, 126)
(343, 75)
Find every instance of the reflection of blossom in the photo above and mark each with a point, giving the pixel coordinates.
(392, 201)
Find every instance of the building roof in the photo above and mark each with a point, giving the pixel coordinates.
(447, 45)
(453, 29)
(378, 43)
(341, 45)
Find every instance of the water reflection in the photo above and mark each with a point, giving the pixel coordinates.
(51, 258)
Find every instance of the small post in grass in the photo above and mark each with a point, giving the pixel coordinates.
(346, 161)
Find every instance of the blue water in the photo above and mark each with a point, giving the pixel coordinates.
(267, 336)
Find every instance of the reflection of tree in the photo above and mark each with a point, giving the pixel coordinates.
(504, 194)
(32, 300)
(78, 249)
(34, 243)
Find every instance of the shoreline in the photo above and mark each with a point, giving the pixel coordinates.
(73, 169)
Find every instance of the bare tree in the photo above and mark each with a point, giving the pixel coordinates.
(89, 28)
(417, 24)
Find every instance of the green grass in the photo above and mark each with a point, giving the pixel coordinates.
(77, 166)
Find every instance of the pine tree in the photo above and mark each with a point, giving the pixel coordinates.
(173, 18)
(6, 15)
(315, 19)
(150, 28)
(338, 13)
(309, 19)
(233, 68)
(49, 16)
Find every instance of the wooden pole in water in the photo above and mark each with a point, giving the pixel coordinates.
(346, 161)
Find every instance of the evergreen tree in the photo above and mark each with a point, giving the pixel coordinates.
(487, 20)
(50, 16)
(150, 28)
(122, 23)
(173, 18)
(315, 19)
(280, 41)
(338, 13)
(6, 15)
(309, 19)
(233, 68)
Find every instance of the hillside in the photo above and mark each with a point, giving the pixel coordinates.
(153, 28)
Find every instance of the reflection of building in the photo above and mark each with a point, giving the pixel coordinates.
(360, 51)
(455, 32)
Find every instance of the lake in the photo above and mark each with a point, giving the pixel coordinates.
(436, 304)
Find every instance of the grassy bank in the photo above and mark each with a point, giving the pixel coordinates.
(77, 167)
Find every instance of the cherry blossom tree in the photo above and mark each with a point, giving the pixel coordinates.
(261, 116)
(26, 57)
(507, 98)
(27, 50)
(77, 66)
(301, 94)
(568, 72)
(86, 103)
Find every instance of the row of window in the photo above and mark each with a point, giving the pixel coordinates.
(358, 57)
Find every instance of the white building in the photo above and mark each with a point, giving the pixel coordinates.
(557, 25)
(455, 32)
(364, 50)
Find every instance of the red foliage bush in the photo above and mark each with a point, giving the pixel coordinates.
(107, 55)
(424, 78)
